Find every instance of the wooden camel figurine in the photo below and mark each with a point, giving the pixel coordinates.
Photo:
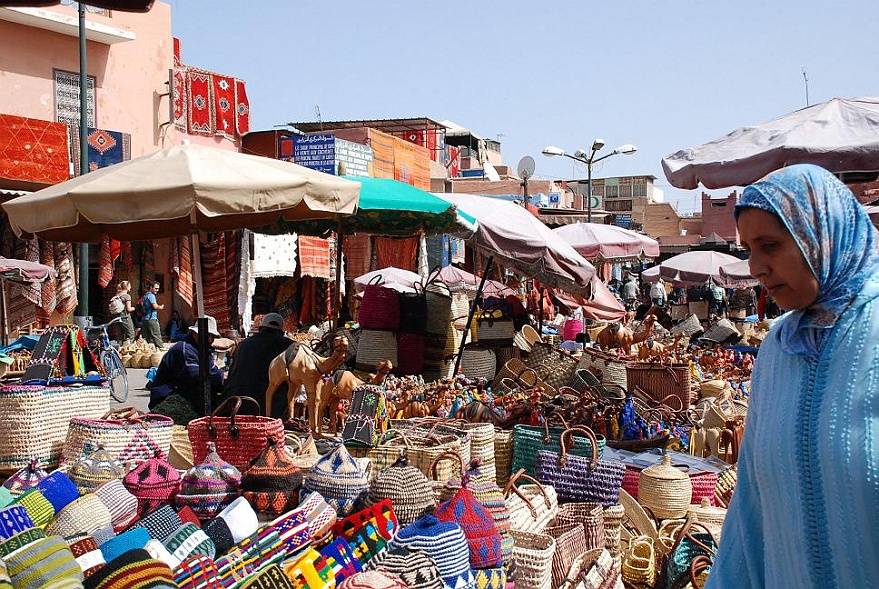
(341, 387)
(300, 365)
(652, 348)
(617, 335)
(407, 408)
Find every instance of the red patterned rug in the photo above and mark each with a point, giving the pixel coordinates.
(242, 108)
(224, 104)
(199, 91)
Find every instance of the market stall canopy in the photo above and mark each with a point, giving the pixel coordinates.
(737, 274)
(695, 267)
(841, 135)
(519, 240)
(179, 190)
(608, 242)
(389, 207)
(601, 305)
(23, 271)
(387, 277)
(460, 280)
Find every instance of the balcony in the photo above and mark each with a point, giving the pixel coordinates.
(66, 23)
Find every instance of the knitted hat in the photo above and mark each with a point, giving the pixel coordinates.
(58, 489)
(102, 535)
(320, 515)
(42, 563)
(218, 530)
(130, 540)
(119, 501)
(154, 482)
(341, 559)
(94, 469)
(367, 542)
(477, 525)
(495, 578)
(133, 570)
(241, 519)
(443, 541)
(415, 567)
(6, 497)
(188, 541)
(271, 577)
(14, 519)
(161, 523)
(373, 580)
(233, 568)
(292, 528)
(20, 540)
(410, 492)
(83, 516)
(340, 480)
(37, 506)
(210, 486)
(158, 551)
(26, 478)
(312, 568)
(381, 514)
(186, 515)
(197, 572)
(262, 548)
(88, 556)
(272, 481)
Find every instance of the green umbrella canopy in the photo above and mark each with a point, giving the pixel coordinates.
(389, 207)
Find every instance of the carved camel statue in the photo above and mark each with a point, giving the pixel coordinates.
(617, 335)
(652, 348)
(341, 387)
(407, 408)
(300, 365)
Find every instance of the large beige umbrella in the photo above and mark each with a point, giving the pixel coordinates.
(180, 191)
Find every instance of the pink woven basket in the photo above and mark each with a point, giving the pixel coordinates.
(379, 308)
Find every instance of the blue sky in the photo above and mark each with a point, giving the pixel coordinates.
(660, 75)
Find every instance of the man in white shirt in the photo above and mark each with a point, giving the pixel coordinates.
(657, 293)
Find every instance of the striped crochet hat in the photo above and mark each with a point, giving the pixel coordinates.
(88, 556)
(37, 506)
(207, 488)
(135, 569)
(119, 501)
(340, 480)
(26, 478)
(292, 528)
(410, 492)
(320, 515)
(197, 572)
(272, 482)
(154, 482)
(444, 542)
(43, 563)
(373, 580)
(477, 525)
(95, 469)
(58, 489)
(20, 540)
(270, 577)
(414, 567)
(84, 516)
(381, 514)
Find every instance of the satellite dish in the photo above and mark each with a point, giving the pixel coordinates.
(526, 167)
(490, 172)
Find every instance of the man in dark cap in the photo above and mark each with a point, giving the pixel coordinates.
(249, 371)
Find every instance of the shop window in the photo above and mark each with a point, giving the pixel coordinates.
(67, 98)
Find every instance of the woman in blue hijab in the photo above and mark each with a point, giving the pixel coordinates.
(805, 512)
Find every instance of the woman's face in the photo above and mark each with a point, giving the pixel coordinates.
(776, 260)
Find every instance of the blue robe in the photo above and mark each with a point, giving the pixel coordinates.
(805, 512)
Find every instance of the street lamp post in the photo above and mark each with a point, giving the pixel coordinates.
(589, 158)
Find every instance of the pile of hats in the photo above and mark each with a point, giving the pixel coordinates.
(214, 526)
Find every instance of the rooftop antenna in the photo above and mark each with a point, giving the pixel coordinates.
(806, 81)
(499, 135)
(317, 115)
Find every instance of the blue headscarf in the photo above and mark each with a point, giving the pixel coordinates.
(836, 237)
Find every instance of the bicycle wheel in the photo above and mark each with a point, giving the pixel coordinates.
(116, 374)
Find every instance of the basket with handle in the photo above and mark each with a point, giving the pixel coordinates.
(413, 311)
(590, 516)
(533, 554)
(532, 506)
(518, 372)
(530, 439)
(478, 362)
(665, 489)
(577, 478)
(503, 455)
(659, 381)
(379, 307)
(609, 366)
(239, 438)
(439, 307)
(553, 366)
(494, 331)
(126, 433)
(376, 346)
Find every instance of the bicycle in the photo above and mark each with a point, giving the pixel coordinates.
(111, 361)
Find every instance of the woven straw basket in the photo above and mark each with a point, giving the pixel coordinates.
(533, 554)
(665, 490)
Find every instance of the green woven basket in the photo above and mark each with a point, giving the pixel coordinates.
(528, 440)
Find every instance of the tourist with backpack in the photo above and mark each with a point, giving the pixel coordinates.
(717, 301)
(150, 328)
(120, 306)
